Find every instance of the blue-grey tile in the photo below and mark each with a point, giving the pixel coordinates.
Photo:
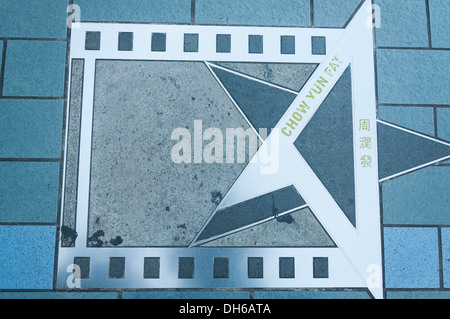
(174, 11)
(399, 150)
(330, 131)
(31, 128)
(403, 23)
(420, 119)
(92, 40)
(411, 257)
(417, 294)
(261, 294)
(22, 18)
(27, 257)
(35, 68)
(29, 191)
(223, 43)
(255, 267)
(1, 53)
(249, 212)
(413, 76)
(159, 42)
(221, 268)
(59, 295)
(320, 267)
(443, 123)
(126, 41)
(191, 42)
(418, 198)
(185, 295)
(255, 44)
(259, 108)
(151, 267)
(186, 267)
(319, 45)
(287, 44)
(116, 267)
(333, 13)
(253, 12)
(445, 239)
(440, 23)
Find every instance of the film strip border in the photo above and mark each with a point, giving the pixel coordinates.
(202, 43)
(206, 268)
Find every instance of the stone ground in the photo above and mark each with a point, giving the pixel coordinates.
(412, 50)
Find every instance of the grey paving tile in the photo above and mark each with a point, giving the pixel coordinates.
(133, 193)
(72, 153)
(289, 75)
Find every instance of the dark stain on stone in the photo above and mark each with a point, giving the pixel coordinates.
(94, 240)
(216, 197)
(167, 208)
(68, 236)
(116, 241)
(288, 219)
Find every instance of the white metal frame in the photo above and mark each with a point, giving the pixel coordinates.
(355, 262)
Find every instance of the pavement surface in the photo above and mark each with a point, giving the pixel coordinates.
(141, 198)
